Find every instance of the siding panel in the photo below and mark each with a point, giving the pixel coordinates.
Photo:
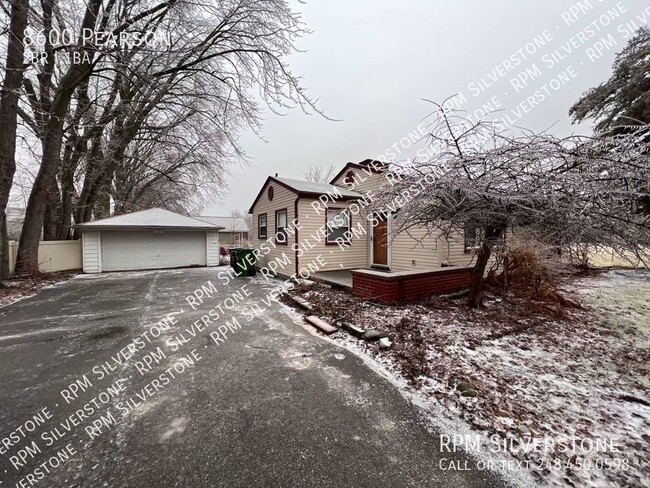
(453, 252)
(405, 248)
(212, 247)
(281, 254)
(414, 249)
(91, 251)
(312, 238)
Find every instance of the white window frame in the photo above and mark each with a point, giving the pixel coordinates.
(339, 211)
(266, 226)
(281, 231)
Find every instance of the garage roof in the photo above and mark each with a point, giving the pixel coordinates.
(158, 218)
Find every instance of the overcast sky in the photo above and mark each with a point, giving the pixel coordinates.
(371, 62)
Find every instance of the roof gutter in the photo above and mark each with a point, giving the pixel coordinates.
(144, 227)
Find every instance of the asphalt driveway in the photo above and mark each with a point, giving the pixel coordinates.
(156, 401)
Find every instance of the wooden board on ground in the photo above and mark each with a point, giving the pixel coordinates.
(321, 325)
(302, 302)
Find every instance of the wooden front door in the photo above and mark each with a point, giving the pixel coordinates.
(380, 243)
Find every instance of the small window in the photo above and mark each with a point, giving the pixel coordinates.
(349, 178)
(281, 227)
(270, 193)
(261, 226)
(473, 237)
(338, 226)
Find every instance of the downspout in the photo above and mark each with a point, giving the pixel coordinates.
(295, 228)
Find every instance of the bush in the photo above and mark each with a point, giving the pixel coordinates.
(535, 270)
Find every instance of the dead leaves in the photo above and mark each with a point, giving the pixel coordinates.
(534, 372)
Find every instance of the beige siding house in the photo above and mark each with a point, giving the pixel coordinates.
(334, 225)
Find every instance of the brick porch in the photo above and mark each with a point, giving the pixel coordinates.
(409, 286)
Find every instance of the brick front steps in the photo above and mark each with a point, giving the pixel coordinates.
(409, 286)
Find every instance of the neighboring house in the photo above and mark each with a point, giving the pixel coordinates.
(149, 239)
(319, 210)
(234, 232)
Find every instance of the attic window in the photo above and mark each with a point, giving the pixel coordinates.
(270, 193)
(349, 177)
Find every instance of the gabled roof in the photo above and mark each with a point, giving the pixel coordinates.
(147, 219)
(229, 224)
(303, 188)
(369, 165)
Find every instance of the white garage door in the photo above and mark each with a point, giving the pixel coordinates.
(125, 250)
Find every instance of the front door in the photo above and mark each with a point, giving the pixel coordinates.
(380, 242)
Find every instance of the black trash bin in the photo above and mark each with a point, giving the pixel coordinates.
(233, 258)
(242, 261)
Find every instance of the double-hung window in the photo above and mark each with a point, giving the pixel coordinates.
(281, 226)
(338, 226)
(261, 226)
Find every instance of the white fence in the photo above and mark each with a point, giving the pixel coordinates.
(52, 255)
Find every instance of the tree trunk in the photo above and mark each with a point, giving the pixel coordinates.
(9, 108)
(27, 262)
(75, 150)
(51, 216)
(4, 248)
(103, 205)
(64, 223)
(475, 297)
(93, 171)
(65, 213)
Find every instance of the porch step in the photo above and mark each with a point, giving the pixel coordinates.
(321, 325)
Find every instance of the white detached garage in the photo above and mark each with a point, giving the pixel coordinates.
(149, 239)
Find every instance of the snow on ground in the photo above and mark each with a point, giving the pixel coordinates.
(566, 396)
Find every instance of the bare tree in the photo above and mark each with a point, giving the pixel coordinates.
(130, 124)
(320, 174)
(53, 106)
(172, 170)
(8, 117)
(563, 192)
